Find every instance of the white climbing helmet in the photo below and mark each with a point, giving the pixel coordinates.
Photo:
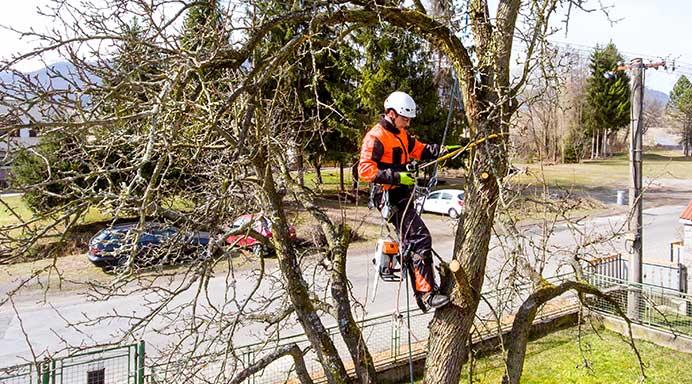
(402, 103)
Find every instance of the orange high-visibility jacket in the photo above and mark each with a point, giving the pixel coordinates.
(385, 152)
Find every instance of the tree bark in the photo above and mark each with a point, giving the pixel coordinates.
(300, 165)
(341, 176)
(350, 332)
(287, 350)
(451, 325)
(338, 241)
(318, 172)
(296, 286)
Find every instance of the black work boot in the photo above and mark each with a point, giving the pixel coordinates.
(436, 300)
(421, 302)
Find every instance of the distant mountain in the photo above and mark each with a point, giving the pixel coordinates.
(48, 75)
(654, 95)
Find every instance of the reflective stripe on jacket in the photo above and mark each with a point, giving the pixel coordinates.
(385, 152)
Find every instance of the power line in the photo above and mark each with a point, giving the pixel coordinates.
(585, 51)
(674, 65)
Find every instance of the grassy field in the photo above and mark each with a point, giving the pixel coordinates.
(615, 170)
(612, 171)
(17, 206)
(557, 359)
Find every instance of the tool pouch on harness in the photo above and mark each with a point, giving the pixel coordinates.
(380, 199)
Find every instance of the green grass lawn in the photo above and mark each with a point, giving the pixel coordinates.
(557, 359)
(17, 206)
(612, 171)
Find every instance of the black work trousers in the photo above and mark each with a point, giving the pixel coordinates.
(416, 241)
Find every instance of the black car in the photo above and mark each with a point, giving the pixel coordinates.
(156, 243)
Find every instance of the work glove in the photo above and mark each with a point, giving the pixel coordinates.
(449, 148)
(405, 178)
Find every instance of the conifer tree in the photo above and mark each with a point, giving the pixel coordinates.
(397, 60)
(203, 27)
(607, 99)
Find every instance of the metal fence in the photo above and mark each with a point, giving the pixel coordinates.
(671, 275)
(658, 307)
(117, 365)
(386, 337)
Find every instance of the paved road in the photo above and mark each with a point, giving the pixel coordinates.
(45, 322)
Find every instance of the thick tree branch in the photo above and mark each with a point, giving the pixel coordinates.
(519, 336)
(293, 350)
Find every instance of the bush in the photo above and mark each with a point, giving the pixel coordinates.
(573, 149)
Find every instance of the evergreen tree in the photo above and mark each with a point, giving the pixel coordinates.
(607, 99)
(202, 29)
(65, 159)
(396, 60)
(337, 76)
(47, 161)
(680, 110)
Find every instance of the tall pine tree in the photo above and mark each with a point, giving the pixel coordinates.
(396, 60)
(607, 99)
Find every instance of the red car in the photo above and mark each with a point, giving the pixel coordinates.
(261, 225)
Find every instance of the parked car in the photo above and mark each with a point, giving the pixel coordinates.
(445, 201)
(261, 225)
(112, 246)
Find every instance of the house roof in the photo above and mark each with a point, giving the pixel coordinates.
(687, 213)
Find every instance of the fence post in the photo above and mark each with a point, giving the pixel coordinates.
(140, 362)
(45, 371)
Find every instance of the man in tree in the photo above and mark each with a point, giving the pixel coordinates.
(387, 148)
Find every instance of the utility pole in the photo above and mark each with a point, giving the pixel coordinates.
(635, 195)
(634, 225)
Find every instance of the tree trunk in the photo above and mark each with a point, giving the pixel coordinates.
(546, 142)
(605, 143)
(687, 138)
(296, 286)
(341, 176)
(593, 145)
(354, 178)
(350, 332)
(299, 165)
(318, 172)
(451, 325)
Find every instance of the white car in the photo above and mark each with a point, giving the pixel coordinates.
(446, 201)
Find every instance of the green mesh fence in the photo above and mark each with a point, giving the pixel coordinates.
(118, 365)
(21, 374)
(654, 306)
(386, 337)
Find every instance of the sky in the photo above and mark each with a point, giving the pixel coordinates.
(642, 28)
